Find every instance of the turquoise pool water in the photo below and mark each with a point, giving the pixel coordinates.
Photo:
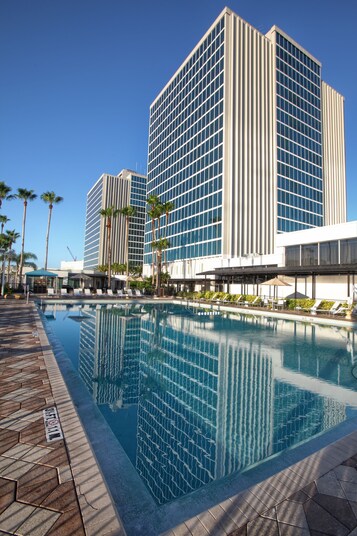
(194, 397)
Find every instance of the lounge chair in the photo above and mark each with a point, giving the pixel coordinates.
(225, 299)
(129, 293)
(110, 292)
(138, 293)
(50, 292)
(77, 292)
(87, 292)
(120, 294)
(64, 292)
(99, 292)
(341, 310)
(314, 308)
(334, 307)
(253, 303)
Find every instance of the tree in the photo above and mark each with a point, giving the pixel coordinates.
(128, 212)
(153, 201)
(52, 199)
(24, 260)
(3, 220)
(25, 196)
(108, 214)
(167, 207)
(4, 192)
(159, 245)
(12, 237)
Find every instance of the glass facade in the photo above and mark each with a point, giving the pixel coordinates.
(137, 222)
(325, 253)
(185, 153)
(299, 138)
(92, 229)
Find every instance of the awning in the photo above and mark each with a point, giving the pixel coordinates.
(41, 273)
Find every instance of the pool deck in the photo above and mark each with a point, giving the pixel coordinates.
(56, 488)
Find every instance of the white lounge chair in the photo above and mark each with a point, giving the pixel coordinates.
(77, 292)
(334, 307)
(110, 292)
(138, 293)
(87, 292)
(63, 292)
(314, 308)
(99, 292)
(129, 292)
(120, 294)
(50, 292)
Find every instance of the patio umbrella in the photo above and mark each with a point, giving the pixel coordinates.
(276, 282)
(81, 277)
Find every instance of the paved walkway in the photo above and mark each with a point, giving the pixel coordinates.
(50, 488)
(55, 488)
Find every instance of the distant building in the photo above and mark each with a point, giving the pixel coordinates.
(247, 141)
(126, 188)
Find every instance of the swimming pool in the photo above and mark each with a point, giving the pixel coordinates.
(194, 397)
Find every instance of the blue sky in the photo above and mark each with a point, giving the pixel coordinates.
(78, 77)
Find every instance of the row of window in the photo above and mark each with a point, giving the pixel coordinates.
(291, 134)
(299, 189)
(193, 136)
(188, 156)
(202, 80)
(299, 90)
(181, 227)
(297, 65)
(189, 178)
(297, 53)
(302, 203)
(298, 113)
(288, 95)
(299, 215)
(299, 151)
(297, 125)
(288, 226)
(297, 77)
(296, 162)
(200, 105)
(176, 129)
(216, 34)
(205, 249)
(331, 252)
(163, 173)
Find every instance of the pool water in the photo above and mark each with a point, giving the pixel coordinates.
(193, 396)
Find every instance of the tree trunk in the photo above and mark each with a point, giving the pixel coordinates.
(48, 234)
(109, 254)
(22, 243)
(127, 250)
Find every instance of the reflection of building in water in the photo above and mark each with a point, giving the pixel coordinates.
(109, 356)
(216, 402)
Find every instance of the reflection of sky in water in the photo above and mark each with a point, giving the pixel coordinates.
(193, 398)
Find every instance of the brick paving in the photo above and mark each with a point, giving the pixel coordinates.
(39, 495)
(41, 482)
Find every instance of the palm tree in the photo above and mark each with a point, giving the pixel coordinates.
(128, 212)
(153, 201)
(26, 260)
(4, 192)
(12, 237)
(108, 214)
(167, 207)
(25, 196)
(52, 199)
(159, 245)
(3, 220)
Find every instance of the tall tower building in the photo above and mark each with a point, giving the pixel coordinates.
(247, 142)
(127, 188)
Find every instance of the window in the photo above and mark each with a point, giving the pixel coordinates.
(292, 256)
(329, 252)
(349, 251)
(309, 254)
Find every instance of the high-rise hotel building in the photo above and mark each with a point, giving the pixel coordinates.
(126, 188)
(247, 141)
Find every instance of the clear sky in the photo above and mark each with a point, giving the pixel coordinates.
(78, 77)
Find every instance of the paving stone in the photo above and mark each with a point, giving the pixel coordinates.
(62, 499)
(69, 523)
(226, 521)
(37, 484)
(345, 473)
(8, 438)
(338, 508)
(196, 527)
(350, 490)
(262, 525)
(34, 433)
(14, 516)
(289, 530)
(242, 531)
(39, 522)
(320, 520)
(270, 514)
(7, 493)
(7, 407)
(292, 513)
(57, 457)
(329, 485)
(14, 469)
